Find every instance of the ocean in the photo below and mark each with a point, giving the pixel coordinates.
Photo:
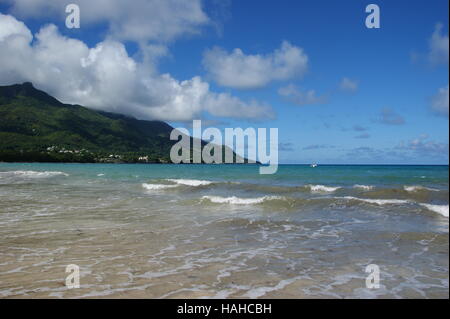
(223, 231)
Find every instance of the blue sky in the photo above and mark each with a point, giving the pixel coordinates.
(363, 95)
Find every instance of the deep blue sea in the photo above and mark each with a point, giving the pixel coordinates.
(223, 231)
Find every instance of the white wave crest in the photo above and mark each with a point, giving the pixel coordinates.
(322, 189)
(412, 189)
(190, 182)
(32, 174)
(378, 201)
(440, 209)
(239, 201)
(364, 187)
(155, 187)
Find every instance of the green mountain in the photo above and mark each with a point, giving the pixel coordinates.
(34, 126)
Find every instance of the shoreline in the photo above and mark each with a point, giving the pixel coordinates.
(281, 164)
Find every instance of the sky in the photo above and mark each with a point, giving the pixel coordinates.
(338, 92)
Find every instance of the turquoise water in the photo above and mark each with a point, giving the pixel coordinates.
(152, 231)
(286, 175)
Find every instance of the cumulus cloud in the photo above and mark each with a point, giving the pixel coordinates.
(317, 147)
(390, 117)
(152, 20)
(363, 136)
(419, 150)
(286, 147)
(105, 77)
(359, 128)
(301, 97)
(364, 152)
(348, 85)
(241, 71)
(423, 145)
(438, 46)
(11, 27)
(439, 103)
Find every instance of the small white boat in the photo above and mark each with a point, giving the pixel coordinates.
(313, 165)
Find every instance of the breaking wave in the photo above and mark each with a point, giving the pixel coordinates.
(190, 182)
(363, 187)
(440, 209)
(419, 188)
(174, 183)
(377, 201)
(153, 187)
(32, 174)
(240, 201)
(322, 188)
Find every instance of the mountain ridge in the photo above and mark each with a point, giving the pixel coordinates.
(36, 127)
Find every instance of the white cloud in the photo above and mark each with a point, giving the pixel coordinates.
(389, 117)
(423, 145)
(359, 128)
(363, 136)
(348, 85)
(12, 27)
(105, 77)
(438, 46)
(241, 71)
(301, 97)
(317, 147)
(439, 103)
(152, 20)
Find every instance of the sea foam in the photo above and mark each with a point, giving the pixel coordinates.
(33, 174)
(238, 200)
(154, 187)
(364, 187)
(322, 189)
(440, 209)
(378, 201)
(190, 182)
(412, 189)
